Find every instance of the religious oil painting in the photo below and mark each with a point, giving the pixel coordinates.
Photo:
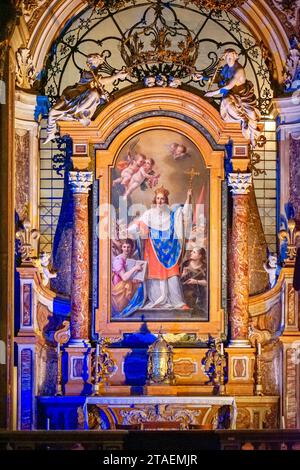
(159, 244)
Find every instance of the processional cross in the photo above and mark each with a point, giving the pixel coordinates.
(191, 173)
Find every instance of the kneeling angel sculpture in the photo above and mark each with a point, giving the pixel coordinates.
(238, 97)
(79, 102)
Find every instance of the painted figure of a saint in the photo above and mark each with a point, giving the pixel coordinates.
(162, 228)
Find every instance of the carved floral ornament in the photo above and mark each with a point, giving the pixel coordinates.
(160, 413)
(258, 336)
(209, 4)
(290, 236)
(25, 70)
(30, 7)
(292, 69)
(289, 8)
(103, 364)
(28, 238)
(3, 52)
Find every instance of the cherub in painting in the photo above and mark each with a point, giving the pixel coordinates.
(136, 171)
(178, 151)
(129, 167)
(144, 175)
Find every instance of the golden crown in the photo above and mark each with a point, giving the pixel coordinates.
(135, 55)
(162, 190)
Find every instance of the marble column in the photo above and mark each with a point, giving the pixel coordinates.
(80, 182)
(240, 184)
(286, 112)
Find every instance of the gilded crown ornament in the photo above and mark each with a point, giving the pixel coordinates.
(158, 49)
(135, 55)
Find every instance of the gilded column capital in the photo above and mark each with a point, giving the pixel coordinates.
(80, 181)
(240, 183)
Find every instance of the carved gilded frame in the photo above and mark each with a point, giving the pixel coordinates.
(193, 117)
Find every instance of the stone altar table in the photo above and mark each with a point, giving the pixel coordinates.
(107, 412)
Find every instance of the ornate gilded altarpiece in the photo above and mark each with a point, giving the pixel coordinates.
(182, 142)
(177, 133)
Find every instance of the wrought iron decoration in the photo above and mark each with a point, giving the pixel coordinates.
(172, 48)
(209, 4)
(217, 4)
(160, 48)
